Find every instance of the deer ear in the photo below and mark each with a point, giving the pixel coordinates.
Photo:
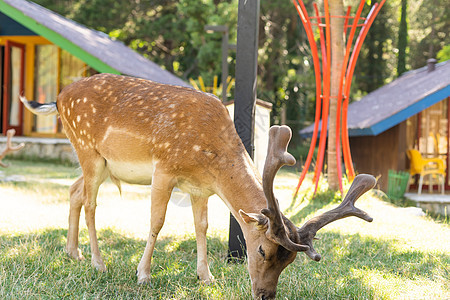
(258, 220)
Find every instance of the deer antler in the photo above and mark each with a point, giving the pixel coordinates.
(361, 184)
(9, 148)
(277, 156)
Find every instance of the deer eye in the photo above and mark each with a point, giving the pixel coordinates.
(261, 251)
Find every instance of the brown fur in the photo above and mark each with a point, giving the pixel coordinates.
(110, 118)
(143, 132)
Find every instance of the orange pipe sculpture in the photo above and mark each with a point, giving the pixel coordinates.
(323, 92)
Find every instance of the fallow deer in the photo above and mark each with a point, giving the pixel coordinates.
(9, 147)
(143, 132)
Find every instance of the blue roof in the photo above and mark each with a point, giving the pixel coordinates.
(395, 102)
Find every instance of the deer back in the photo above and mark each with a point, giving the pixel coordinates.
(137, 121)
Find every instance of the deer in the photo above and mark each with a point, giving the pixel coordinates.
(9, 147)
(142, 132)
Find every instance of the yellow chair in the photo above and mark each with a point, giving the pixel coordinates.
(426, 166)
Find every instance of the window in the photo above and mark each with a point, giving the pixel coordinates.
(54, 69)
(15, 86)
(433, 133)
(45, 85)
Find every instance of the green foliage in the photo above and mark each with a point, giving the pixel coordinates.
(430, 30)
(171, 33)
(444, 54)
(372, 67)
(286, 74)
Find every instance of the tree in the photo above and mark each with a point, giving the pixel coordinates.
(171, 33)
(168, 32)
(285, 73)
(373, 68)
(337, 58)
(402, 39)
(429, 30)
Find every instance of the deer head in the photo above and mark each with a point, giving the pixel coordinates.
(9, 147)
(277, 242)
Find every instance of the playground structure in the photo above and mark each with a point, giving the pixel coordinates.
(323, 78)
(9, 147)
(215, 89)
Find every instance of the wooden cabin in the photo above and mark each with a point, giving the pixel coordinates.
(41, 52)
(411, 112)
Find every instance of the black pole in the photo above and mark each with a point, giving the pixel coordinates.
(245, 98)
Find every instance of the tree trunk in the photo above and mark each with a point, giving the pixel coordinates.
(337, 56)
(402, 40)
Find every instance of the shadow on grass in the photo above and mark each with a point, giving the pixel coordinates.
(35, 265)
(317, 202)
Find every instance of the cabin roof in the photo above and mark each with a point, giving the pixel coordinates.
(96, 48)
(395, 102)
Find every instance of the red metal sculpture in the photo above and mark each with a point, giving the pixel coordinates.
(323, 96)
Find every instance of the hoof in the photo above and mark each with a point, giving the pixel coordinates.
(143, 279)
(143, 273)
(208, 280)
(99, 265)
(75, 254)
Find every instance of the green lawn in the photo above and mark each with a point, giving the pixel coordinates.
(398, 256)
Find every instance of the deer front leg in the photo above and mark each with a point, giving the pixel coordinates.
(76, 202)
(200, 211)
(162, 187)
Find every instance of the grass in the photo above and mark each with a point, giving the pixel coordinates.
(398, 256)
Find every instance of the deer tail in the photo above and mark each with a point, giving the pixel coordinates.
(43, 109)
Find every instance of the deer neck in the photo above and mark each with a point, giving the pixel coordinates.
(240, 187)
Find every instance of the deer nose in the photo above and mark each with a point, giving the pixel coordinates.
(268, 297)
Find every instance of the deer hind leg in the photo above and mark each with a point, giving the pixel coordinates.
(76, 202)
(162, 186)
(94, 173)
(200, 211)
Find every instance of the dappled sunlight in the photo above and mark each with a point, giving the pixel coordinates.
(28, 206)
(367, 268)
(42, 201)
(175, 268)
(414, 232)
(403, 272)
(23, 212)
(173, 246)
(398, 255)
(351, 265)
(390, 286)
(308, 207)
(13, 252)
(48, 193)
